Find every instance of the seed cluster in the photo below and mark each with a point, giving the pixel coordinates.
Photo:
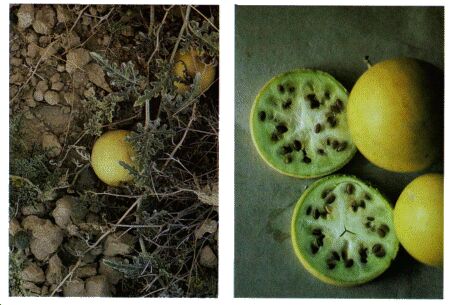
(381, 229)
(318, 241)
(282, 128)
(296, 117)
(357, 200)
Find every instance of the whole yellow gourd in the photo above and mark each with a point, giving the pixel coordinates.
(109, 149)
(419, 219)
(187, 65)
(395, 114)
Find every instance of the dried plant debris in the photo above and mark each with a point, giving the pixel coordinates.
(77, 71)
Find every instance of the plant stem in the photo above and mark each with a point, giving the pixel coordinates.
(183, 28)
(367, 62)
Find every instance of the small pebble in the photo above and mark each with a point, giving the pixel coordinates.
(38, 96)
(52, 97)
(58, 86)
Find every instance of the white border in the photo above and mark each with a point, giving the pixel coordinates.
(226, 159)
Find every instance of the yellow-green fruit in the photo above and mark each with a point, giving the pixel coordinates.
(187, 65)
(108, 151)
(395, 114)
(419, 219)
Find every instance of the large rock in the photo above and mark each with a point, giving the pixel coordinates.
(98, 286)
(33, 273)
(118, 243)
(51, 145)
(207, 257)
(70, 40)
(25, 15)
(54, 117)
(52, 97)
(46, 237)
(85, 271)
(54, 272)
(77, 59)
(31, 288)
(62, 14)
(44, 20)
(97, 76)
(63, 211)
(32, 130)
(14, 226)
(74, 288)
(35, 208)
(208, 226)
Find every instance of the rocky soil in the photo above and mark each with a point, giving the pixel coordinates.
(64, 243)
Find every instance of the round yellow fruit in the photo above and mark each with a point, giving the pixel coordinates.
(395, 114)
(187, 65)
(108, 151)
(419, 219)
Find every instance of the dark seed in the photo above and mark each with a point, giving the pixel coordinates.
(370, 218)
(314, 102)
(316, 214)
(381, 232)
(287, 159)
(348, 263)
(363, 251)
(325, 193)
(323, 214)
(306, 159)
(297, 145)
(328, 141)
(367, 196)
(327, 95)
(354, 206)
(262, 116)
(317, 232)
(368, 224)
(320, 242)
(333, 108)
(281, 128)
(314, 248)
(344, 254)
(335, 144)
(378, 250)
(331, 263)
(320, 151)
(317, 128)
(337, 106)
(342, 146)
(291, 89)
(330, 198)
(281, 88)
(362, 204)
(308, 210)
(287, 149)
(332, 121)
(384, 227)
(287, 104)
(363, 255)
(336, 255)
(274, 137)
(350, 188)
